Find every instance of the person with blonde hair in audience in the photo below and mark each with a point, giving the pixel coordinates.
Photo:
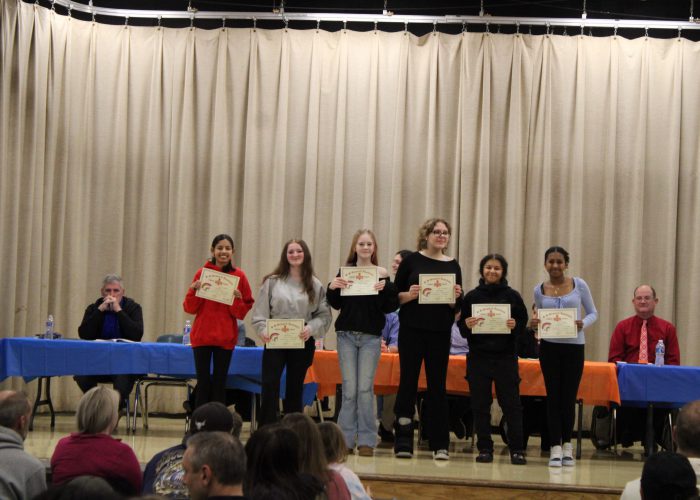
(21, 475)
(92, 451)
(337, 454)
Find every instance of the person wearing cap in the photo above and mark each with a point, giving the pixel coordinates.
(164, 473)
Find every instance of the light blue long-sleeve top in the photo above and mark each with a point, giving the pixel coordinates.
(580, 295)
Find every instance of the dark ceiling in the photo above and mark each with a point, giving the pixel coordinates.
(666, 10)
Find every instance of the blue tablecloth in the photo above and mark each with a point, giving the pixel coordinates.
(669, 386)
(31, 358)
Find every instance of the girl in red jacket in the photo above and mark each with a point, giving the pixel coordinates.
(215, 330)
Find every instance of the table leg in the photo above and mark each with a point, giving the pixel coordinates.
(40, 402)
(649, 435)
(579, 435)
(614, 424)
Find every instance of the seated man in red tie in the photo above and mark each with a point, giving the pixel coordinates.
(634, 341)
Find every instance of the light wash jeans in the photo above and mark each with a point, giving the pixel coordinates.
(358, 354)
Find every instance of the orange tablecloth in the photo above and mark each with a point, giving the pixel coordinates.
(598, 384)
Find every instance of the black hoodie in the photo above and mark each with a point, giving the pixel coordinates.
(494, 345)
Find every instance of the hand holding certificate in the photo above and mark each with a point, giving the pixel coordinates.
(284, 333)
(217, 286)
(491, 318)
(360, 280)
(436, 289)
(557, 323)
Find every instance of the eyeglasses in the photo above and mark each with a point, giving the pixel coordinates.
(440, 233)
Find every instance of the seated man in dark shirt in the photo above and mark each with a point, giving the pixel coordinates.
(112, 316)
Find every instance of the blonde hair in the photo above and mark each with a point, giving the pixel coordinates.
(352, 255)
(333, 442)
(427, 228)
(98, 410)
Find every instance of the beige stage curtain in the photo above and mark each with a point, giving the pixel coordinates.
(127, 149)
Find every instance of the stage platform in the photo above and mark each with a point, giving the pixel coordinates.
(599, 474)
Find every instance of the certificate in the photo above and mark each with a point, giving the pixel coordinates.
(361, 280)
(217, 286)
(557, 323)
(284, 333)
(491, 318)
(436, 288)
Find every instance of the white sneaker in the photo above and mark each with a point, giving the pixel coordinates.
(567, 459)
(441, 455)
(555, 459)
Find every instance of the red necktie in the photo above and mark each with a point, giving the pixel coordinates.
(643, 349)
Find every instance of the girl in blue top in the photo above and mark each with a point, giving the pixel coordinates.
(561, 360)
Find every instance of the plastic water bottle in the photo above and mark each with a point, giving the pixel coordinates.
(186, 333)
(319, 344)
(660, 353)
(48, 332)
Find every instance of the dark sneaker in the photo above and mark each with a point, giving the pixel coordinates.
(385, 435)
(403, 443)
(517, 458)
(485, 457)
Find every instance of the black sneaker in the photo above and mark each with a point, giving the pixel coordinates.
(403, 442)
(517, 458)
(485, 457)
(385, 435)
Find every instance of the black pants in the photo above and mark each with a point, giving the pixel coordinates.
(297, 362)
(121, 383)
(481, 373)
(416, 345)
(211, 386)
(562, 367)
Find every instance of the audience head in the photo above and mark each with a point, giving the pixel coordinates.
(434, 233)
(237, 424)
(113, 286)
(333, 442)
(668, 476)
(687, 430)
(400, 255)
(82, 488)
(494, 266)
(274, 471)
(362, 237)
(15, 412)
(212, 416)
(98, 411)
(214, 464)
(223, 242)
(313, 457)
(644, 301)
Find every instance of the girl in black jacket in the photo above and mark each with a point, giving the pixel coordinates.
(492, 358)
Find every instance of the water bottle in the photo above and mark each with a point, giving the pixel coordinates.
(186, 333)
(660, 353)
(319, 344)
(48, 332)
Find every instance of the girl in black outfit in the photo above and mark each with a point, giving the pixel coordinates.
(493, 358)
(425, 334)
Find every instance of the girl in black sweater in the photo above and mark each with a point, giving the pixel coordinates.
(493, 358)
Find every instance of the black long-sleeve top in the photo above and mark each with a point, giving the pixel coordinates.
(494, 344)
(363, 313)
(130, 321)
(432, 317)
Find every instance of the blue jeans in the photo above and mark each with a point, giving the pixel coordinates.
(358, 354)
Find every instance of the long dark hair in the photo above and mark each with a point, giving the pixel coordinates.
(307, 268)
(273, 466)
(228, 267)
(313, 456)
